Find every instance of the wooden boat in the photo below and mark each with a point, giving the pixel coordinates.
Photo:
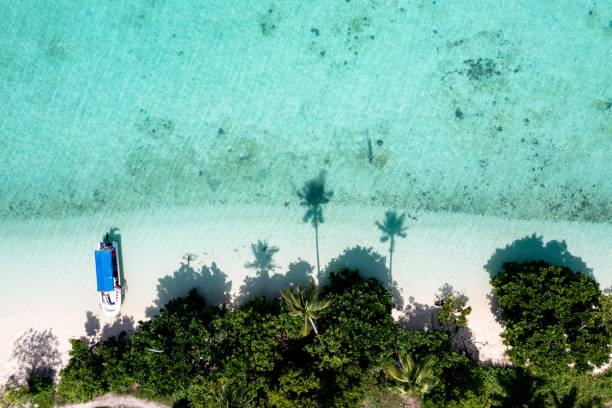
(108, 276)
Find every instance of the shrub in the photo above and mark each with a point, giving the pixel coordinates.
(552, 316)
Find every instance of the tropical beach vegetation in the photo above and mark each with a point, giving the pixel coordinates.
(264, 353)
(553, 317)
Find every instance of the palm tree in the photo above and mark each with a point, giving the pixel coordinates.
(313, 196)
(227, 395)
(302, 302)
(392, 226)
(415, 379)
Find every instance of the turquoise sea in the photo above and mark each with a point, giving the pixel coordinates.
(498, 112)
(498, 108)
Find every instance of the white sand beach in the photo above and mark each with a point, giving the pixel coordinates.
(58, 283)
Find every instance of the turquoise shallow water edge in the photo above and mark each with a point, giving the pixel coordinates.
(496, 108)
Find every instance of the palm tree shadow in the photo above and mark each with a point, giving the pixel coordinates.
(393, 227)
(531, 248)
(210, 282)
(266, 285)
(313, 195)
(37, 355)
(369, 264)
(263, 254)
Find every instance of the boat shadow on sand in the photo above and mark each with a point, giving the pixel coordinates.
(531, 248)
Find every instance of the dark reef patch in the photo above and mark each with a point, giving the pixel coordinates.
(268, 21)
(481, 68)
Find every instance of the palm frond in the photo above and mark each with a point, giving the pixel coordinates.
(395, 372)
(302, 302)
(414, 378)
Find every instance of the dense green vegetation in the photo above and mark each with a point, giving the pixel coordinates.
(553, 317)
(267, 353)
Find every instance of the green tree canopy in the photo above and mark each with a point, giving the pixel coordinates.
(553, 317)
(357, 337)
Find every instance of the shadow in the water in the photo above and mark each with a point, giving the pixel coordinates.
(264, 284)
(210, 283)
(121, 324)
(36, 354)
(369, 264)
(533, 248)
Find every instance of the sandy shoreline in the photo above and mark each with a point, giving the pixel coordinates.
(439, 248)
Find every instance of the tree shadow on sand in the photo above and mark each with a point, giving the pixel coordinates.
(92, 329)
(36, 354)
(531, 248)
(265, 284)
(92, 324)
(418, 316)
(210, 283)
(421, 316)
(369, 264)
(121, 326)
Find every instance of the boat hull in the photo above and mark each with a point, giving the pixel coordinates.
(110, 301)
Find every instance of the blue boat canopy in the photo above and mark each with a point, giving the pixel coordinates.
(104, 271)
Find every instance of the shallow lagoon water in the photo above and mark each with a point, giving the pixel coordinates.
(111, 113)
(484, 109)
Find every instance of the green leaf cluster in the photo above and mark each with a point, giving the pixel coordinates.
(453, 311)
(553, 317)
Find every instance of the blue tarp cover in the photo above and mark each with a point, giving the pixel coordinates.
(104, 271)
